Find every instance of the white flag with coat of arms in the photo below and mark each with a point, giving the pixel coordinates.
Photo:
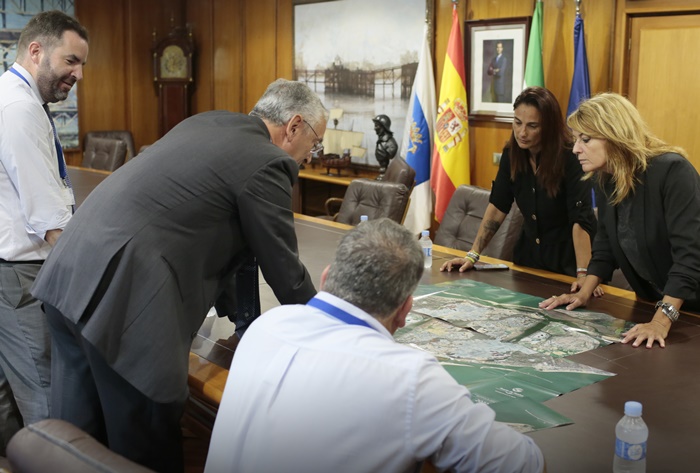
(417, 143)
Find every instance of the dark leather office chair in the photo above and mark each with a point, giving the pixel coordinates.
(401, 172)
(376, 199)
(124, 135)
(104, 153)
(398, 171)
(55, 445)
(463, 216)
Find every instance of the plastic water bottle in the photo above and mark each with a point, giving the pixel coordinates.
(427, 244)
(631, 442)
(363, 218)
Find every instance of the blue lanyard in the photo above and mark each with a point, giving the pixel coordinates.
(14, 71)
(59, 149)
(337, 312)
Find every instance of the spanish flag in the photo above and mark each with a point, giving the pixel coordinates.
(450, 167)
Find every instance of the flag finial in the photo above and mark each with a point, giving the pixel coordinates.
(578, 7)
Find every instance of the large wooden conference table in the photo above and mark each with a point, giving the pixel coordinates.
(666, 380)
(84, 180)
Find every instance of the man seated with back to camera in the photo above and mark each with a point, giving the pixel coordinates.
(323, 387)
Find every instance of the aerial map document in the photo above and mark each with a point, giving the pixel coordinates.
(506, 350)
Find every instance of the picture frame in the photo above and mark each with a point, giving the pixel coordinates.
(361, 65)
(495, 52)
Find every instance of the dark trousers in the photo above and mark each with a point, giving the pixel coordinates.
(88, 393)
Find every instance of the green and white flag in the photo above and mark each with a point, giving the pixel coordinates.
(534, 72)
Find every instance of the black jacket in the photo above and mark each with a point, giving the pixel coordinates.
(666, 225)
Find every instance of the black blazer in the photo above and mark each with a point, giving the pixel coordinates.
(666, 225)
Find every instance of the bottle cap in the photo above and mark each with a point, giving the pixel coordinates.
(425, 233)
(363, 218)
(633, 408)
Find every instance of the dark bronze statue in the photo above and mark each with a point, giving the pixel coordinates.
(386, 144)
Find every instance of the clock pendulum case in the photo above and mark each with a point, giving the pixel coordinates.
(173, 78)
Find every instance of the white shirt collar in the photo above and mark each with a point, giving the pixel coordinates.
(30, 79)
(353, 310)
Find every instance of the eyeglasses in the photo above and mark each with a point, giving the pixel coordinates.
(318, 146)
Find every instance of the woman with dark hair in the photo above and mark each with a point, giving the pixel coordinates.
(541, 174)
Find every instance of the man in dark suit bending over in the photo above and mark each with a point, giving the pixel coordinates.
(154, 247)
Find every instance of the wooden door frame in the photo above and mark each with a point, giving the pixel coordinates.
(625, 11)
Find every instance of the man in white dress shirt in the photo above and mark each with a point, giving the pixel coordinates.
(323, 387)
(35, 205)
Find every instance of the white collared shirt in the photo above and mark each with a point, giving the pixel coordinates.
(33, 197)
(309, 393)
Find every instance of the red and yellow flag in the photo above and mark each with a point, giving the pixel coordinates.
(450, 166)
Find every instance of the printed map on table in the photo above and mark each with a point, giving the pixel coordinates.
(507, 350)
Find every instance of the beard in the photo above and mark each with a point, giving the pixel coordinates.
(49, 83)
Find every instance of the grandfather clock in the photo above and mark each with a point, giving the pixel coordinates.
(173, 80)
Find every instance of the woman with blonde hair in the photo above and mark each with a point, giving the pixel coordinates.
(648, 213)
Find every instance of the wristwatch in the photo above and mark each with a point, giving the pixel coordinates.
(668, 310)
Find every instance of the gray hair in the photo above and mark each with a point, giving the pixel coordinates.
(47, 28)
(377, 266)
(285, 98)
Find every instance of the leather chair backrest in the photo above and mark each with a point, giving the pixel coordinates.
(401, 172)
(104, 153)
(619, 280)
(56, 445)
(124, 135)
(463, 217)
(376, 199)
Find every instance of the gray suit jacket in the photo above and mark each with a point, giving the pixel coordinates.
(155, 245)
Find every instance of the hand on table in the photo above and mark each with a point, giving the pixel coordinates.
(578, 284)
(651, 332)
(463, 264)
(571, 300)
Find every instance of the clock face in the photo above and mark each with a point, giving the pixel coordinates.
(173, 63)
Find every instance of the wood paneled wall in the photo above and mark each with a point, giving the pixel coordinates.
(117, 90)
(218, 29)
(243, 45)
(487, 138)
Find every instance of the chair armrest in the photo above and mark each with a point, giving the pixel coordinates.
(332, 206)
(55, 445)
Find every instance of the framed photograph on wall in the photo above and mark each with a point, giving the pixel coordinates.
(495, 52)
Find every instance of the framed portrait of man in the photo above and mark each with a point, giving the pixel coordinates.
(495, 52)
